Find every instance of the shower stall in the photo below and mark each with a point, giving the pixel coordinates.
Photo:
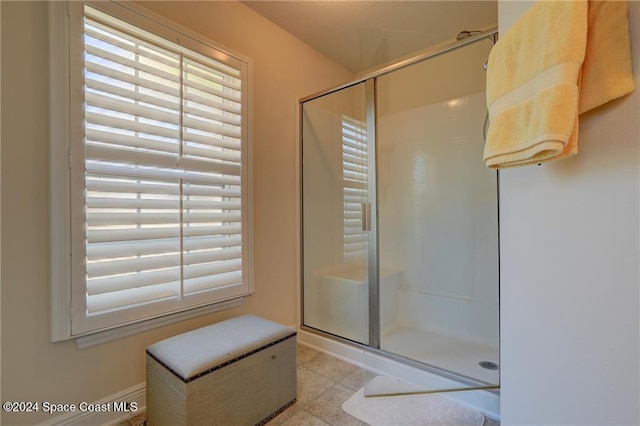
(400, 218)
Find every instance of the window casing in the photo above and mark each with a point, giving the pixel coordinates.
(159, 171)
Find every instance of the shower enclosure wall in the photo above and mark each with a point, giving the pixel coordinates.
(400, 219)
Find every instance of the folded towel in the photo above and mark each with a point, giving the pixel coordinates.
(561, 58)
(606, 71)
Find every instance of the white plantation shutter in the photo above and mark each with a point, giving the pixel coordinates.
(164, 176)
(354, 172)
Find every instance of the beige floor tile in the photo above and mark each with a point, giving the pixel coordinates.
(311, 385)
(304, 418)
(285, 415)
(305, 354)
(328, 406)
(330, 367)
(137, 420)
(355, 380)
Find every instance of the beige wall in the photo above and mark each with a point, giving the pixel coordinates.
(284, 70)
(570, 285)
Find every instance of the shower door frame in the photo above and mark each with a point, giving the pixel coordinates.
(372, 192)
(373, 346)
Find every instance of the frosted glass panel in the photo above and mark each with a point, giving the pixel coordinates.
(438, 219)
(334, 191)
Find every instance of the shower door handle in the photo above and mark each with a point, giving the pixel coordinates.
(366, 217)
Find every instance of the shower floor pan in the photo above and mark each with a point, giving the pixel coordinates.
(455, 355)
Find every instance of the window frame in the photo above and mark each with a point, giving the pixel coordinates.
(66, 123)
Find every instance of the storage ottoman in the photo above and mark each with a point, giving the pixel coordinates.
(237, 372)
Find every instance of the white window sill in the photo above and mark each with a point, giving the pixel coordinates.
(100, 337)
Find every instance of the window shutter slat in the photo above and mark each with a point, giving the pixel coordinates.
(107, 235)
(214, 268)
(104, 184)
(214, 255)
(107, 250)
(123, 282)
(143, 172)
(215, 90)
(164, 176)
(194, 285)
(129, 266)
(232, 108)
(108, 219)
(133, 234)
(104, 34)
(157, 159)
(206, 111)
(119, 89)
(351, 184)
(113, 138)
(105, 75)
(356, 176)
(213, 154)
(199, 231)
(353, 159)
(104, 56)
(209, 127)
(352, 214)
(124, 125)
(213, 191)
(136, 203)
(132, 108)
(219, 142)
(106, 302)
(224, 75)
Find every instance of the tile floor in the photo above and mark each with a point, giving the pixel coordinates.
(324, 384)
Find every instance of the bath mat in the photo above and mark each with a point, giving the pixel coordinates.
(413, 410)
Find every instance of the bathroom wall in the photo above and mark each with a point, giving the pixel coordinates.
(285, 69)
(570, 284)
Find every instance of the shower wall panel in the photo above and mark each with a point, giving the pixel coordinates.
(438, 217)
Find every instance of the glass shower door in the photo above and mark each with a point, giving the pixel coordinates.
(437, 225)
(400, 224)
(335, 206)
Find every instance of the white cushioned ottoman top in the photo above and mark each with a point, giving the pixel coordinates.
(205, 349)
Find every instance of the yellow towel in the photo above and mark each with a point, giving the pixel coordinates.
(560, 59)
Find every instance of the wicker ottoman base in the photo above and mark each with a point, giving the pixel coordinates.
(237, 372)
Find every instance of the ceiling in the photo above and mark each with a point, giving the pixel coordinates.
(362, 34)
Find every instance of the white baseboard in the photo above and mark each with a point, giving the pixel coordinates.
(118, 408)
(487, 403)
